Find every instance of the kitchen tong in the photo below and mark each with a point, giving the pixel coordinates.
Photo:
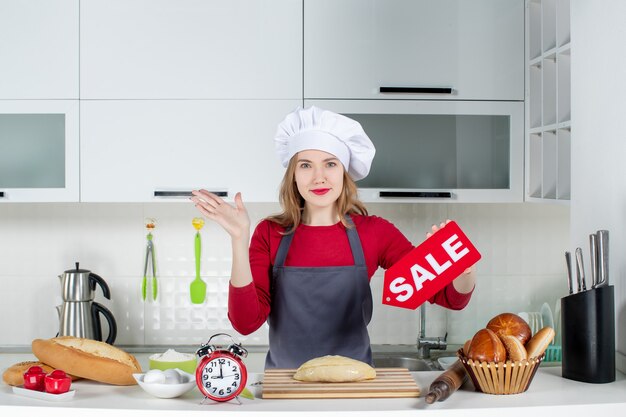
(150, 224)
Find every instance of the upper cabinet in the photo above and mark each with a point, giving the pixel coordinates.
(160, 150)
(191, 49)
(39, 49)
(39, 151)
(445, 49)
(548, 101)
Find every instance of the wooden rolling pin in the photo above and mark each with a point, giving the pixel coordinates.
(447, 383)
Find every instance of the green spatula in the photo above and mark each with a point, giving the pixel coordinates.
(198, 287)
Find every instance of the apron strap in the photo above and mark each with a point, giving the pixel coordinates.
(353, 238)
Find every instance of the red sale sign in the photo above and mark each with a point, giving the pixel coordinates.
(428, 268)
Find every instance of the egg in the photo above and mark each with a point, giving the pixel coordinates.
(172, 376)
(154, 376)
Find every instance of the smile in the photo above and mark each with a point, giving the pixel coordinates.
(320, 191)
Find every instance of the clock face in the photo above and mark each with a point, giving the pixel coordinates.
(221, 378)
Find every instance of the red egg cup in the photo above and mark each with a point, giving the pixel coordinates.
(34, 378)
(57, 382)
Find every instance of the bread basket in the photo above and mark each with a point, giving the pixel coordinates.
(510, 377)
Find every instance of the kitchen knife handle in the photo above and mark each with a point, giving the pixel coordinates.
(603, 257)
(580, 270)
(568, 262)
(417, 90)
(593, 259)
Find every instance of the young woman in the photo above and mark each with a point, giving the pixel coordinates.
(306, 270)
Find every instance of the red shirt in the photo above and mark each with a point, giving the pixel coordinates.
(383, 245)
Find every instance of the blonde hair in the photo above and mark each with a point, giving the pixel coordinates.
(292, 201)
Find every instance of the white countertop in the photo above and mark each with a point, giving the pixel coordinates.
(548, 393)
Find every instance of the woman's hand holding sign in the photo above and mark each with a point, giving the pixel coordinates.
(467, 280)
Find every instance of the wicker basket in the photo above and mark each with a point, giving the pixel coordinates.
(502, 377)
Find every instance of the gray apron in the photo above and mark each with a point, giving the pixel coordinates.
(319, 311)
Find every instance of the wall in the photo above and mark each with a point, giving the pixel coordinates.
(522, 267)
(598, 145)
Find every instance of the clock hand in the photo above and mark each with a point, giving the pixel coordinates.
(221, 373)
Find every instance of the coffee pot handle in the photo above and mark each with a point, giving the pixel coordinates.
(97, 279)
(96, 310)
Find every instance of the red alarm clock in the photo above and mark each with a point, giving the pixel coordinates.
(221, 374)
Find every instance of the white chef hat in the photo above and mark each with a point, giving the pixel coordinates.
(324, 130)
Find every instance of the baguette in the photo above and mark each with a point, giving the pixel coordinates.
(89, 359)
(14, 374)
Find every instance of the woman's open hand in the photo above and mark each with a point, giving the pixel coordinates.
(234, 219)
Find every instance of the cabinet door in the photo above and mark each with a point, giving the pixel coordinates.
(237, 49)
(38, 150)
(131, 149)
(352, 48)
(440, 151)
(39, 49)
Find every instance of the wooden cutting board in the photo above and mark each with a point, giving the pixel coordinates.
(389, 383)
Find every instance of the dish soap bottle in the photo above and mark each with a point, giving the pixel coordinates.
(447, 383)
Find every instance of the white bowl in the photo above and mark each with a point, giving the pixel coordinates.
(447, 361)
(168, 390)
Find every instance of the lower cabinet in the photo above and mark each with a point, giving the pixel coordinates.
(160, 150)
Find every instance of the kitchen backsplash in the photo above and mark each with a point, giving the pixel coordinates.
(522, 267)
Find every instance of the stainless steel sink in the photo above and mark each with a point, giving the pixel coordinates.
(411, 363)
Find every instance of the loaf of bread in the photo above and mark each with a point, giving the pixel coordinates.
(486, 346)
(539, 342)
(515, 351)
(89, 359)
(506, 324)
(14, 374)
(333, 368)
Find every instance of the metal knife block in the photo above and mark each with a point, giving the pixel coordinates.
(588, 335)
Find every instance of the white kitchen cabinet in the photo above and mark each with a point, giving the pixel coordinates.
(548, 101)
(39, 49)
(132, 150)
(353, 48)
(431, 151)
(191, 49)
(39, 151)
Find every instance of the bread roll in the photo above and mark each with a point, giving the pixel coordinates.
(466, 347)
(334, 369)
(539, 342)
(515, 351)
(510, 324)
(88, 359)
(486, 347)
(14, 374)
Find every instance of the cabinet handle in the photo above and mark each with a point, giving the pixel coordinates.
(1, 194)
(186, 193)
(418, 90)
(414, 194)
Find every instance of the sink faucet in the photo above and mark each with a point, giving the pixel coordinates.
(425, 344)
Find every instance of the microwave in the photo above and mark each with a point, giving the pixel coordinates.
(440, 151)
